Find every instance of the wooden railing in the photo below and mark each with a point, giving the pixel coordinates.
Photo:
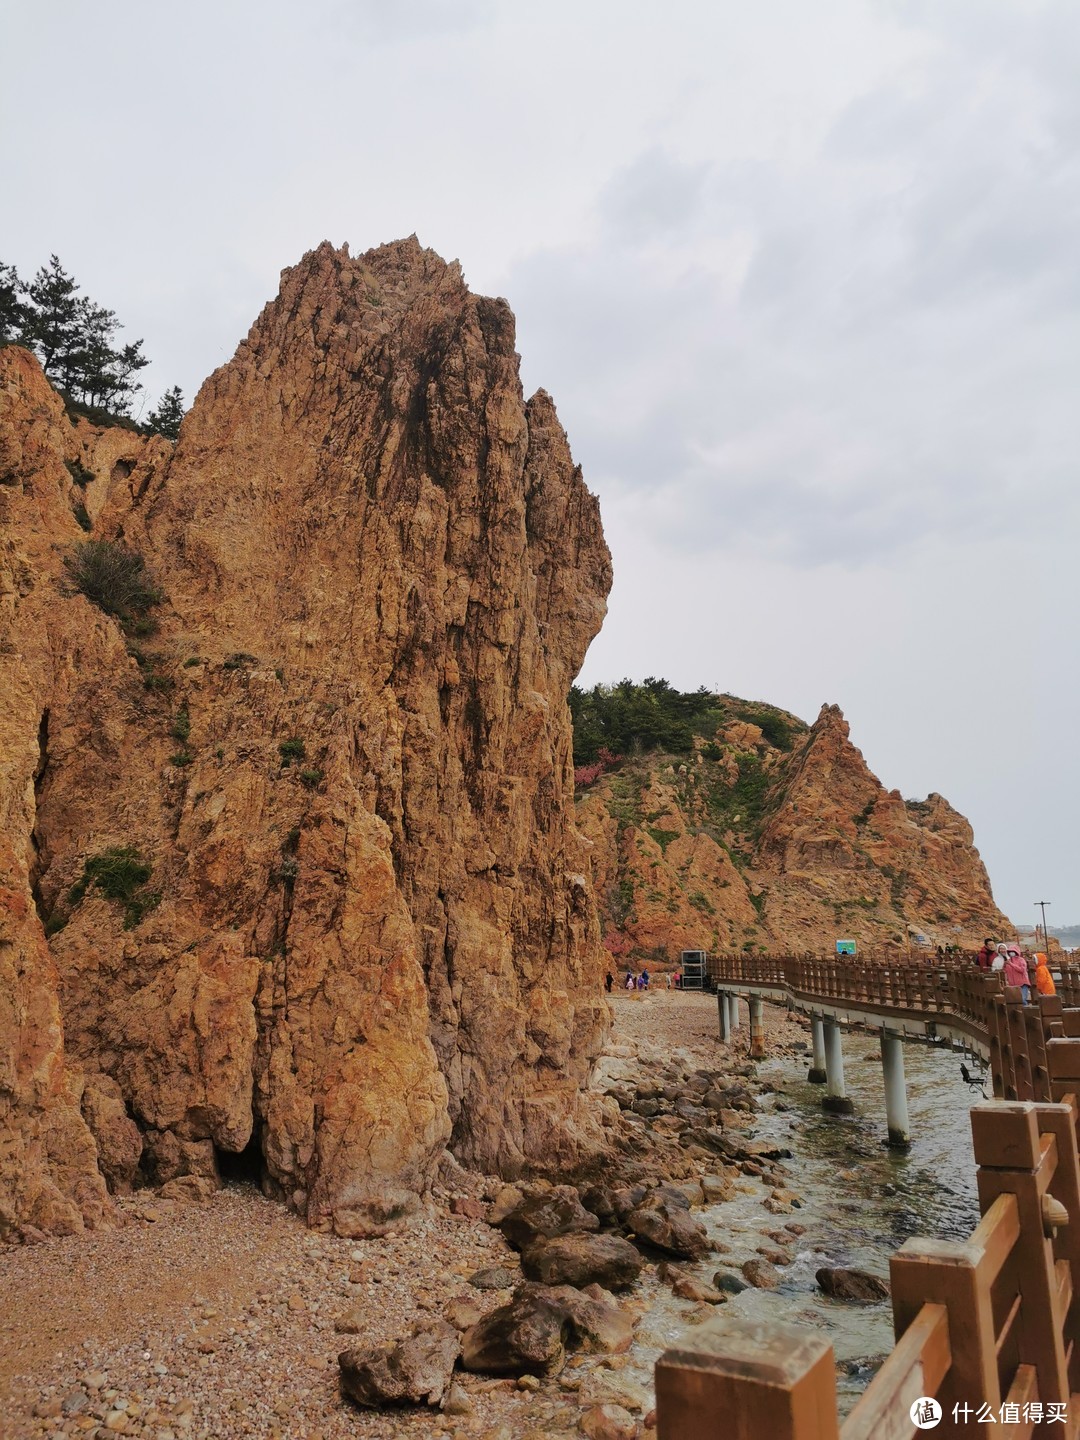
(986, 1327)
(976, 1002)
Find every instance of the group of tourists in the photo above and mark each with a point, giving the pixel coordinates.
(1017, 968)
(639, 982)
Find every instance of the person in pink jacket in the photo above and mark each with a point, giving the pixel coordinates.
(1016, 973)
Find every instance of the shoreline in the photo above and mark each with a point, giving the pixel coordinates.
(217, 1319)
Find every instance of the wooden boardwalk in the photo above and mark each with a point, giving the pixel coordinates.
(986, 1328)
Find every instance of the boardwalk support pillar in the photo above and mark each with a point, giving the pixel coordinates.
(725, 1015)
(896, 1111)
(757, 1028)
(835, 1098)
(733, 1011)
(817, 1074)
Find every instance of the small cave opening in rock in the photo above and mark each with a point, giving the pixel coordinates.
(241, 1167)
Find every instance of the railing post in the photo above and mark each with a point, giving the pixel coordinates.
(817, 1074)
(1014, 1159)
(751, 1382)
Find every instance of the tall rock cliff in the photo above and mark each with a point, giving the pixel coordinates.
(768, 835)
(344, 752)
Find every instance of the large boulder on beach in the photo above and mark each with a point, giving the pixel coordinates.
(413, 1371)
(557, 1211)
(843, 1284)
(597, 1324)
(526, 1336)
(531, 1333)
(670, 1227)
(582, 1259)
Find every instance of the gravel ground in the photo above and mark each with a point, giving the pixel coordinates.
(192, 1321)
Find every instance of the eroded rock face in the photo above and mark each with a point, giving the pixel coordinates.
(825, 850)
(375, 553)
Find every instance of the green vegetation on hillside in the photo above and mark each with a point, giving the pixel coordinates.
(626, 731)
(634, 719)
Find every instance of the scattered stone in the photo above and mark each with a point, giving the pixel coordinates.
(582, 1259)
(414, 1371)
(857, 1285)
(464, 1312)
(608, 1422)
(468, 1207)
(494, 1277)
(458, 1402)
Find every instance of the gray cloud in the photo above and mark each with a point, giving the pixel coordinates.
(891, 359)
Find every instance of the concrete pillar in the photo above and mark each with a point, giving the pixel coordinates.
(725, 1015)
(817, 1074)
(896, 1115)
(835, 1097)
(733, 1010)
(757, 1028)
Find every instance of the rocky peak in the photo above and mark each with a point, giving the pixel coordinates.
(344, 752)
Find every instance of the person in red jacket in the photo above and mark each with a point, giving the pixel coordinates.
(985, 956)
(1016, 973)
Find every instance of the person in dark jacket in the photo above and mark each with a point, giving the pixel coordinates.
(984, 958)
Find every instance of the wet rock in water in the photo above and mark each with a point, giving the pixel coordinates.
(774, 1255)
(730, 1283)
(843, 1284)
(669, 1227)
(761, 1274)
(716, 1189)
(557, 1211)
(412, 1371)
(861, 1367)
(582, 1259)
(608, 1422)
(689, 1287)
(493, 1277)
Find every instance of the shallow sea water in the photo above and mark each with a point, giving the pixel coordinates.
(861, 1201)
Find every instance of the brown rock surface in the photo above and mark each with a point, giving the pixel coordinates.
(369, 545)
(780, 847)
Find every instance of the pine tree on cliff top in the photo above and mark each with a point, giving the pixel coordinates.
(165, 420)
(12, 308)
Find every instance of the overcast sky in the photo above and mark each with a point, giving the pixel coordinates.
(803, 279)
